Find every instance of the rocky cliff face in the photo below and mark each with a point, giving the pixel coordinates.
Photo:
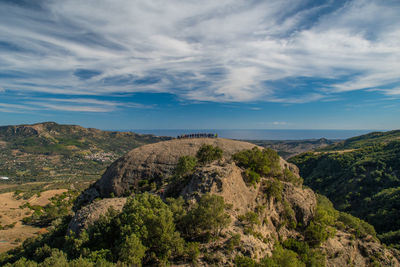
(277, 216)
(155, 162)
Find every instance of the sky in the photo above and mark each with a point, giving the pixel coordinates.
(185, 64)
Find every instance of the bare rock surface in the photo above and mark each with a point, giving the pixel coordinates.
(344, 250)
(92, 212)
(156, 162)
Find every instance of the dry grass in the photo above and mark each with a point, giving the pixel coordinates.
(10, 213)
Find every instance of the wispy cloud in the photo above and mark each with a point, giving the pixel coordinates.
(68, 104)
(224, 51)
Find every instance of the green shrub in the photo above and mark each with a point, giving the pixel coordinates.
(360, 227)
(392, 237)
(289, 176)
(192, 251)
(244, 261)
(321, 228)
(251, 177)
(208, 153)
(273, 188)
(150, 219)
(282, 257)
(132, 251)
(185, 166)
(233, 242)
(264, 162)
(207, 217)
(249, 219)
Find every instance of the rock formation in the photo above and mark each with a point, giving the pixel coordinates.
(296, 205)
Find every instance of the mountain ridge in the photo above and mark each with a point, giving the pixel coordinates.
(72, 150)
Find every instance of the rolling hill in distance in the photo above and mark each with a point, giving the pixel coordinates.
(50, 151)
(360, 175)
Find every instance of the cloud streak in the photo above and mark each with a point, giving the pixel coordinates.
(221, 51)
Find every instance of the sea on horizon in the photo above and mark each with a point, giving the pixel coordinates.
(261, 134)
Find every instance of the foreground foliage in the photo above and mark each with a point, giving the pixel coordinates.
(148, 231)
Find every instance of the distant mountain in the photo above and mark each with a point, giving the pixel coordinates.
(48, 151)
(290, 148)
(360, 175)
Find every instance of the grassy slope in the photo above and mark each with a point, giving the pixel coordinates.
(361, 175)
(48, 151)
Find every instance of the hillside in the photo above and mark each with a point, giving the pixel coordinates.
(204, 202)
(365, 140)
(361, 176)
(50, 151)
(290, 148)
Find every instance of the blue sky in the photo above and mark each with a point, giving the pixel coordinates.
(179, 64)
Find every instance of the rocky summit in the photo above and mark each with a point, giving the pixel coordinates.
(274, 210)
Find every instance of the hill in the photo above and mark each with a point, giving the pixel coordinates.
(361, 176)
(50, 151)
(204, 202)
(289, 148)
(365, 140)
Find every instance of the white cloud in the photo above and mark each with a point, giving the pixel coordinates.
(206, 50)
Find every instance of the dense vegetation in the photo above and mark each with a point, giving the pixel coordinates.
(365, 140)
(363, 180)
(49, 151)
(147, 231)
(263, 163)
(59, 206)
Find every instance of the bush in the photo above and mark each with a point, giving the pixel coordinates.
(264, 162)
(243, 261)
(321, 228)
(132, 251)
(251, 177)
(282, 257)
(192, 251)
(208, 153)
(360, 227)
(289, 176)
(185, 166)
(273, 188)
(249, 219)
(181, 175)
(233, 242)
(207, 217)
(150, 219)
(392, 237)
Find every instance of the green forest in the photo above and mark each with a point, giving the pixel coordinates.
(360, 176)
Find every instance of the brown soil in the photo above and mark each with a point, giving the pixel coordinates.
(10, 213)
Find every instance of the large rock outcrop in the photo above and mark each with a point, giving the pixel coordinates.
(155, 162)
(278, 216)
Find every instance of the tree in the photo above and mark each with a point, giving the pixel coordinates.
(209, 216)
(208, 153)
(132, 251)
(150, 219)
(186, 165)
